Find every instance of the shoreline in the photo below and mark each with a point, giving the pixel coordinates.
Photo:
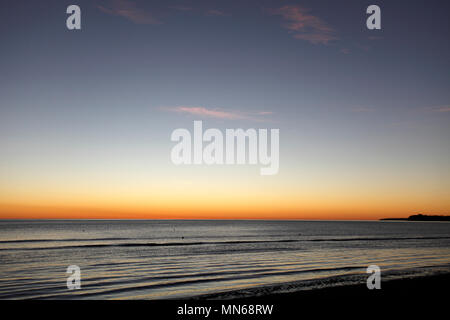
(423, 295)
(393, 280)
(396, 293)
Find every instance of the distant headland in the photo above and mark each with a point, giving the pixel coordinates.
(421, 217)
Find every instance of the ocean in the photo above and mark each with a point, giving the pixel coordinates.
(177, 259)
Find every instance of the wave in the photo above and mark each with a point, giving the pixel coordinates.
(380, 239)
(195, 243)
(323, 282)
(65, 240)
(101, 288)
(149, 244)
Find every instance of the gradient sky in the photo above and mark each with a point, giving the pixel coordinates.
(86, 116)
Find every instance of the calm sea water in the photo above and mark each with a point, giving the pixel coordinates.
(175, 259)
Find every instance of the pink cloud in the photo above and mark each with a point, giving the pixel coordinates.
(441, 109)
(129, 10)
(201, 111)
(220, 114)
(263, 113)
(305, 26)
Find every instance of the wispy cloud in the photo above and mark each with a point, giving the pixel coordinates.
(264, 113)
(440, 109)
(220, 113)
(128, 9)
(305, 26)
(201, 111)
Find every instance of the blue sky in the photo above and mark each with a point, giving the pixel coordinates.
(357, 109)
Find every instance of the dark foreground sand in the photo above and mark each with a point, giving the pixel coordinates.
(426, 296)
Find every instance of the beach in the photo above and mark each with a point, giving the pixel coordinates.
(421, 296)
(425, 296)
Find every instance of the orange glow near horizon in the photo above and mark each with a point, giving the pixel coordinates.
(215, 193)
(193, 210)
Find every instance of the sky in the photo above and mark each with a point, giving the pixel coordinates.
(86, 115)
